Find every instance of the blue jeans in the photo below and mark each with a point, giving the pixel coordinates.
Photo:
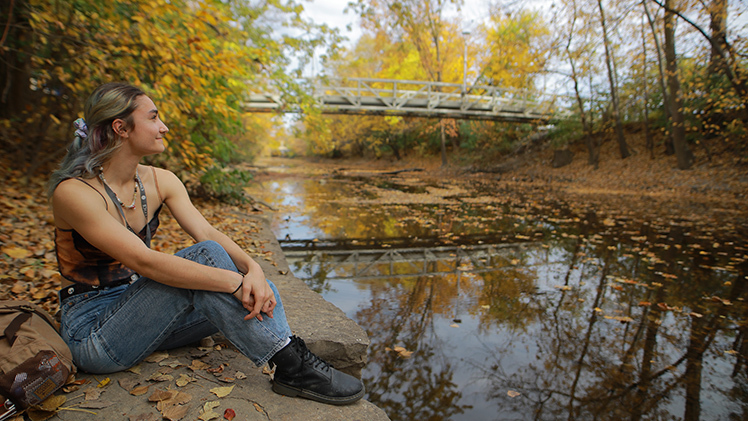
(112, 329)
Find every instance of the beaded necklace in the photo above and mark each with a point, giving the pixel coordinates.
(143, 203)
(134, 190)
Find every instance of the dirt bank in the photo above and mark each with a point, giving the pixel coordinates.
(713, 191)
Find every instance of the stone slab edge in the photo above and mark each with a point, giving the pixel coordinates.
(327, 331)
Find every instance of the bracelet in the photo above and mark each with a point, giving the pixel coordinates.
(238, 288)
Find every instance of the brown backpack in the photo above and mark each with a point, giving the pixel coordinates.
(34, 360)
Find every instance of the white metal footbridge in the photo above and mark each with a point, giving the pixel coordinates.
(391, 97)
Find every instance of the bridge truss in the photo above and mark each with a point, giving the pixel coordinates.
(365, 96)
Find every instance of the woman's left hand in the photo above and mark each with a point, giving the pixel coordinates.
(256, 295)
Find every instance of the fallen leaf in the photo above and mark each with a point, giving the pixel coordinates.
(171, 364)
(210, 405)
(92, 394)
(229, 414)
(217, 370)
(175, 412)
(170, 398)
(37, 415)
(104, 382)
(140, 390)
(161, 395)
(198, 365)
(622, 319)
(52, 403)
(16, 252)
(403, 352)
(207, 412)
(184, 380)
(513, 394)
(161, 377)
(240, 376)
(157, 357)
(128, 383)
(258, 408)
(222, 392)
(70, 388)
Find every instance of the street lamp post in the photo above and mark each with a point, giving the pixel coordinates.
(465, 33)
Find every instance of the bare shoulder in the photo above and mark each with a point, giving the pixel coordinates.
(73, 198)
(77, 189)
(165, 175)
(169, 183)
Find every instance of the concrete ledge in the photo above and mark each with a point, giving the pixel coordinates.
(327, 331)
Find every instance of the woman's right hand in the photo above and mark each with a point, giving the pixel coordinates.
(256, 295)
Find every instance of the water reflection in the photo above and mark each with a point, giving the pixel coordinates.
(570, 316)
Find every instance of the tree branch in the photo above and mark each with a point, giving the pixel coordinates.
(7, 26)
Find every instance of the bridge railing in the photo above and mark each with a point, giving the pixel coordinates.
(430, 99)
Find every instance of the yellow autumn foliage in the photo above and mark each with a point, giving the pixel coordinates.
(196, 59)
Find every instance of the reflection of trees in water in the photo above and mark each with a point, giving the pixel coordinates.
(652, 346)
(590, 366)
(417, 388)
(314, 273)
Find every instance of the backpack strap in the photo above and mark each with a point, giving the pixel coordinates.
(12, 330)
(27, 308)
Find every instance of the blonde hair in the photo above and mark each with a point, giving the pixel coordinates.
(88, 152)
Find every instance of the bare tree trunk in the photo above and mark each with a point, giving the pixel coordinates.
(592, 150)
(444, 144)
(652, 318)
(714, 116)
(622, 146)
(682, 153)
(735, 71)
(669, 149)
(647, 135)
(15, 69)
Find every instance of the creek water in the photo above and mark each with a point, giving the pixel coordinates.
(483, 301)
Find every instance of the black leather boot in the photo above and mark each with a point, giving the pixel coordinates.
(298, 372)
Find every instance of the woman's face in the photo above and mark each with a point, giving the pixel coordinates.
(146, 136)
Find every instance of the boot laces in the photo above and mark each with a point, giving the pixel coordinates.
(307, 355)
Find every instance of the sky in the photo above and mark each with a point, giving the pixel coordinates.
(331, 13)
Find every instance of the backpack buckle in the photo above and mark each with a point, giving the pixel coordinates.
(8, 410)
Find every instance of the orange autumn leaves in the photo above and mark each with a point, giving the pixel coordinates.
(197, 397)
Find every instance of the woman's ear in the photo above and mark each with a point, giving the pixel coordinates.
(120, 127)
